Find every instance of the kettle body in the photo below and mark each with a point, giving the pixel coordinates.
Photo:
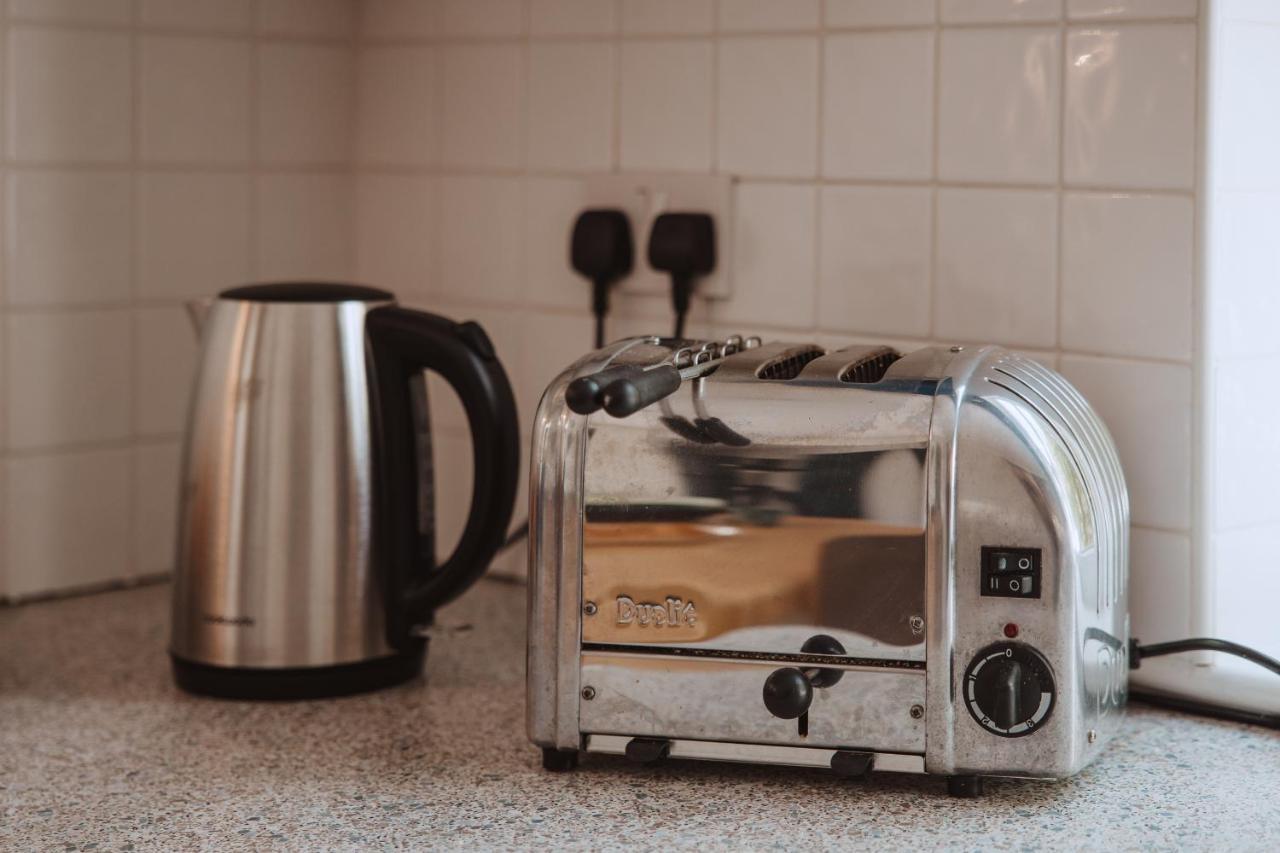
(305, 555)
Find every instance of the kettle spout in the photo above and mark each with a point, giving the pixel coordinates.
(198, 311)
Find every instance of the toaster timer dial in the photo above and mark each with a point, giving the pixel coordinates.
(1009, 689)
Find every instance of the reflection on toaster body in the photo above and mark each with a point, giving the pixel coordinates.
(766, 552)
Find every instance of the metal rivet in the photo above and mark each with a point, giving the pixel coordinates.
(590, 608)
(917, 624)
(1093, 736)
(957, 349)
(588, 693)
(917, 711)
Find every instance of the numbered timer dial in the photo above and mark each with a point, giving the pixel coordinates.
(1009, 689)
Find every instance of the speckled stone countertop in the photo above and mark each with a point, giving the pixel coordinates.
(98, 750)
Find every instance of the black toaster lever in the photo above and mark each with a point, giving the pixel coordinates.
(630, 394)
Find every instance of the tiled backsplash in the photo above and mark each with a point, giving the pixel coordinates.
(909, 171)
(153, 151)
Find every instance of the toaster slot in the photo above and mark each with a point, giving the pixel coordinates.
(788, 364)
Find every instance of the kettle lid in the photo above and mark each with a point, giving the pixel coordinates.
(307, 291)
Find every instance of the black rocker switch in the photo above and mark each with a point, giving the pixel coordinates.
(1011, 572)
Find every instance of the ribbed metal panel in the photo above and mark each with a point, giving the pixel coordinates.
(1094, 453)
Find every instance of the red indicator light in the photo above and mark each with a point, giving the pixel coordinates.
(1011, 630)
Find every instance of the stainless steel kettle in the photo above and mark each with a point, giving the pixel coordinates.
(305, 555)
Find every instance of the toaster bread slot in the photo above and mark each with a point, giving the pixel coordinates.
(788, 364)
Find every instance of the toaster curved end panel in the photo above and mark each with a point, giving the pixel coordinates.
(1040, 560)
(556, 462)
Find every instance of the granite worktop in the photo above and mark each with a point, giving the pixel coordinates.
(98, 750)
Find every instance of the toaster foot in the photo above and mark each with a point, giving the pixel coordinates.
(559, 760)
(964, 786)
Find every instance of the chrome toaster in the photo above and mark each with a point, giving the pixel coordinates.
(782, 554)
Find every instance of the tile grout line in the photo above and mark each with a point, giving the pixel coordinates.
(5, 189)
(1059, 263)
(933, 183)
(135, 144)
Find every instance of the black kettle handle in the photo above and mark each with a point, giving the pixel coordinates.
(403, 343)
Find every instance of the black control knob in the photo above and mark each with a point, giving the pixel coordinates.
(788, 693)
(1009, 689)
(823, 644)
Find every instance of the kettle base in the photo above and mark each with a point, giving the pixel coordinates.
(292, 683)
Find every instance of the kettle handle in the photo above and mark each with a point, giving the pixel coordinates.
(403, 343)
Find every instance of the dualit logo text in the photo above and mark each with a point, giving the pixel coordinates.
(672, 613)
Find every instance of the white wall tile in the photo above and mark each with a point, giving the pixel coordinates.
(452, 464)
(1246, 587)
(196, 100)
(1130, 111)
(223, 16)
(70, 95)
(773, 256)
(768, 106)
(69, 238)
(164, 366)
(879, 13)
(1159, 585)
(768, 15)
(1246, 124)
(397, 18)
(1147, 408)
(482, 109)
(552, 343)
(72, 11)
(305, 226)
(329, 18)
(74, 385)
(395, 218)
(552, 206)
(480, 230)
(998, 115)
(194, 234)
(871, 129)
(157, 476)
(874, 262)
(1243, 302)
(998, 11)
(476, 18)
(1246, 444)
(305, 103)
(1116, 9)
(67, 519)
(667, 107)
(1127, 266)
(397, 100)
(1256, 11)
(667, 17)
(571, 90)
(996, 266)
(572, 17)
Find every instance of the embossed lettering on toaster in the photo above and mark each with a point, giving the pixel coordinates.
(673, 613)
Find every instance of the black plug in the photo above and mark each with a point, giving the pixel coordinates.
(683, 245)
(601, 250)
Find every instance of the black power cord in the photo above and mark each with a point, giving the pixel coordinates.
(1138, 652)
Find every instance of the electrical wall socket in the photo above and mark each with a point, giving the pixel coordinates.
(645, 195)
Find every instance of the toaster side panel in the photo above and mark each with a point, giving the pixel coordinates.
(1035, 681)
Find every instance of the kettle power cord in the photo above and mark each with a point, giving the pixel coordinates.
(1138, 652)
